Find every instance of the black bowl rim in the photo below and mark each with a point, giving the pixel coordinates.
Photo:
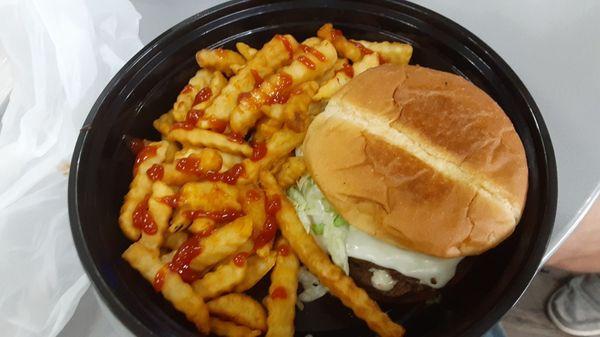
(513, 294)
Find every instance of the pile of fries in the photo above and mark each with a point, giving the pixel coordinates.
(207, 209)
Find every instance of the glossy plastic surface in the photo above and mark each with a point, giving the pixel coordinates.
(148, 85)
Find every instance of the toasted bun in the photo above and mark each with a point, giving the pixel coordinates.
(420, 158)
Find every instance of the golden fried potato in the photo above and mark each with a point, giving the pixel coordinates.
(174, 240)
(219, 59)
(229, 160)
(209, 196)
(330, 275)
(257, 268)
(201, 225)
(222, 243)
(206, 138)
(205, 99)
(307, 66)
(265, 128)
(292, 169)
(247, 52)
(281, 144)
(140, 188)
(345, 48)
(164, 123)
(344, 75)
(228, 329)
(367, 62)
(281, 301)
(160, 214)
(241, 309)
(188, 94)
(222, 280)
(253, 205)
(179, 221)
(390, 52)
(179, 293)
(294, 113)
(272, 56)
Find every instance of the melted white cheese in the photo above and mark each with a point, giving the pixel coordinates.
(432, 271)
(382, 280)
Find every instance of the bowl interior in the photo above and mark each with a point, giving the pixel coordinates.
(148, 85)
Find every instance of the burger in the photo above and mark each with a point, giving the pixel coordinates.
(410, 170)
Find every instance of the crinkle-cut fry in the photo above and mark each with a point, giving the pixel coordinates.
(331, 87)
(265, 128)
(174, 177)
(174, 240)
(229, 160)
(253, 205)
(201, 225)
(279, 145)
(140, 187)
(209, 196)
(291, 170)
(391, 52)
(367, 62)
(281, 301)
(164, 123)
(206, 138)
(272, 56)
(257, 268)
(330, 275)
(179, 293)
(247, 52)
(222, 243)
(294, 111)
(228, 329)
(217, 83)
(186, 97)
(219, 59)
(344, 47)
(241, 309)
(222, 280)
(179, 221)
(307, 66)
(337, 67)
(160, 213)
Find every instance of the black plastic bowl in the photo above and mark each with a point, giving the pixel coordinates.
(148, 84)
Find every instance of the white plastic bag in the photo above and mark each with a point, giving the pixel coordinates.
(62, 53)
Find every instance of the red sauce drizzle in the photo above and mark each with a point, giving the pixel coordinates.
(284, 250)
(307, 62)
(257, 79)
(159, 279)
(217, 125)
(254, 195)
(135, 145)
(336, 34)
(187, 89)
(145, 153)
(240, 259)
(243, 96)
(192, 166)
(363, 50)
(279, 292)
(272, 206)
(220, 217)
(142, 219)
(235, 137)
(348, 70)
(155, 172)
(281, 93)
(191, 119)
(314, 52)
(184, 256)
(259, 151)
(202, 96)
(171, 200)
(286, 44)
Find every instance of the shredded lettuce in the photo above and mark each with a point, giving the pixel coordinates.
(320, 219)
